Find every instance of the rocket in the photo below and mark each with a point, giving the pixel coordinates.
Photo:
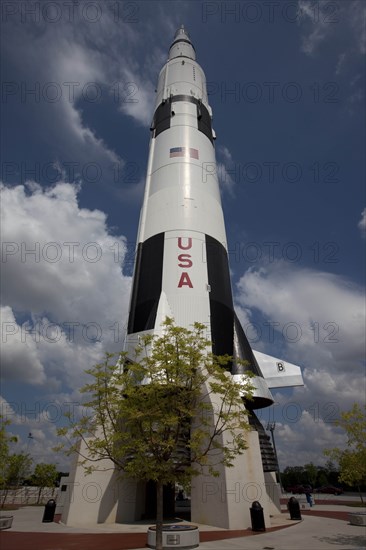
(181, 266)
(182, 272)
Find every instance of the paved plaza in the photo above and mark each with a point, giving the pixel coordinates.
(325, 526)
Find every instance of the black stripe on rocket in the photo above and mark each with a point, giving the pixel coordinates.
(228, 336)
(164, 113)
(147, 281)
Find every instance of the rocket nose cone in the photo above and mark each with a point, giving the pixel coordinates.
(182, 33)
(182, 45)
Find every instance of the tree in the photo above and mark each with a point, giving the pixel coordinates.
(332, 473)
(311, 473)
(322, 478)
(5, 439)
(352, 461)
(160, 407)
(13, 467)
(293, 475)
(17, 468)
(45, 475)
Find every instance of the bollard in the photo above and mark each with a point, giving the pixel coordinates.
(256, 515)
(49, 511)
(294, 508)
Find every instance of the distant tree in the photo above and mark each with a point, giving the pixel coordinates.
(311, 472)
(330, 467)
(322, 479)
(153, 418)
(13, 467)
(332, 472)
(17, 468)
(293, 475)
(5, 440)
(352, 460)
(45, 475)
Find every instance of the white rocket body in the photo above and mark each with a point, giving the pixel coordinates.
(182, 268)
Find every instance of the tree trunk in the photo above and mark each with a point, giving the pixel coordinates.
(5, 497)
(159, 515)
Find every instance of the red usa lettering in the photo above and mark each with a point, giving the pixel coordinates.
(185, 281)
(185, 261)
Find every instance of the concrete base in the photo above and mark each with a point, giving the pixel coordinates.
(6, 522)
(175, 536)
(102, 497)
(357, 518)
(225, 501)
(273, 493)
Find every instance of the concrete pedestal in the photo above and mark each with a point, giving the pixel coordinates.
(357, 518)
(175, 536)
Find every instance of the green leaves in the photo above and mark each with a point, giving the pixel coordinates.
(165, 413)
(352, 461)
(17, 469)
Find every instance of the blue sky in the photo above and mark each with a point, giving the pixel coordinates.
(286, 84)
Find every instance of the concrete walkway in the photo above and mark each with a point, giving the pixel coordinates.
(314, 532)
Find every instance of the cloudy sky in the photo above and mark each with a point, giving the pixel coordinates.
(286, 85)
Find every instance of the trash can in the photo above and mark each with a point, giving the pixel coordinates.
(256, 515)
(49, 511)
(294, 508)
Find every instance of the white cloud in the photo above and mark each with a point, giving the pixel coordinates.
(319, 324)
(62, 273)
(224, 151)
(362, 222)
(326, 310)
(323, 20)
(136, 96)
(66, 68)
(19, 359)
(339, 29)
(357, 12)
(225, 169)
(69, 62)
(304, 440)
(341, 60)
(60, 309)
(319, 30)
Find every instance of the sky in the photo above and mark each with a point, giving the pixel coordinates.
(286, 83)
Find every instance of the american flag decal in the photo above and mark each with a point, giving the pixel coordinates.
(184, 152)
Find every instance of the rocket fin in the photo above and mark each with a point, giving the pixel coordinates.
(164, 311)
(277, 372)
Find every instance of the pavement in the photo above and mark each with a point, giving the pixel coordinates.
(325, 526)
